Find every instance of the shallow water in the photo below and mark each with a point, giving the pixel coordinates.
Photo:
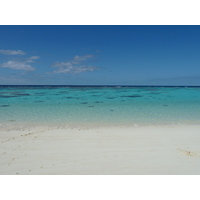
(99, 105)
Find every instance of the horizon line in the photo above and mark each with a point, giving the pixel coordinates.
(114, 85)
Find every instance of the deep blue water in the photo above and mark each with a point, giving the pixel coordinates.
(99, 105)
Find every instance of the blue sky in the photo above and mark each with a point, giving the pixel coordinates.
(100, 55)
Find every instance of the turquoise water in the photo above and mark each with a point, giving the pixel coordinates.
(99, 105)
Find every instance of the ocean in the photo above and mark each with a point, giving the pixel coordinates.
(99, 105)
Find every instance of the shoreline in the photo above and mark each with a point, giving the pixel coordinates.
(13, 125)
(139, 150)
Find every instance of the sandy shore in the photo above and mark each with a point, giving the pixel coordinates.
(126, 150)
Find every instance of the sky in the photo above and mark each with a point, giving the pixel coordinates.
(100, 55)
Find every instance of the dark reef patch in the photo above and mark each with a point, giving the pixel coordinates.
(13, 94)
(155, 93)
(69, 97)
(4, 105)
(132, 96)
(2, 96)
(84, 103)
(95, 95)
(21, 94)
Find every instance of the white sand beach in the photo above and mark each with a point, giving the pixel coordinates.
(148, 150)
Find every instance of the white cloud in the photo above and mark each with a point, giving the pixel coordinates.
(18, 65)
(80, 58)
(75, 66)
(75, 70)
(85, 69)
(32, 58)
(62, 70)
(62, 64)
(12, 52)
